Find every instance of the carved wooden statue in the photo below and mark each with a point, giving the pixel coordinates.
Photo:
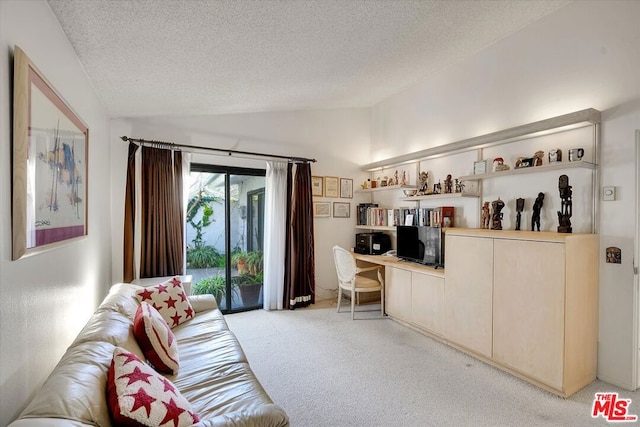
(496, 219)
(564, 215)
(537, 207)
(485, 217)
(448, 184)
(519, 209)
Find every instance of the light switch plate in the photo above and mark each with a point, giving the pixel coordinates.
(608, 193)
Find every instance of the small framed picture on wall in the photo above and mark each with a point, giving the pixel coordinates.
(341, 210)
(346, 188)
(321, 209)
(317, 186)
(331, 186)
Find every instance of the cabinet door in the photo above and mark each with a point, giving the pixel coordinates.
(427, 302)
(468, 292)
(528, 322)
(398, 293)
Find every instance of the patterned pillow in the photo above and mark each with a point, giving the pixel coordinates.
(139, 396)
(156, 339)
(169, 299)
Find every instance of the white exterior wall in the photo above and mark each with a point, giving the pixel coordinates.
(47, 298)
(586, 55)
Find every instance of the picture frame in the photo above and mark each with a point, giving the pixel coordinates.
(50, 164)
(479, 167)
(331, 186)
(317, 186)
(346, 188)
(341, 209)
(321, 209)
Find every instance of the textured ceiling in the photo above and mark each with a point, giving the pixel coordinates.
(194, 57)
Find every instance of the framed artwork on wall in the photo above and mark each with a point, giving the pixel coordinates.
(317, 186)
(346, 188)
(341, 210)
(331, 186)
(321, 209)
(50, 164)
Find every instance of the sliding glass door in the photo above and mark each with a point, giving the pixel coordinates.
(225, 229)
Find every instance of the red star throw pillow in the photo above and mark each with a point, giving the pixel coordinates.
(139, 396)
(156, 340)
(170, 300)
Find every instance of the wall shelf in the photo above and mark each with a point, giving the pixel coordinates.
(377, 227)
(533, 169)
(437, 196)
(387, 188)
(587, 117)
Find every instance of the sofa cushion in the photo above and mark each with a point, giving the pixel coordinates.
(156, 340)
(138, 395)
(170, 299)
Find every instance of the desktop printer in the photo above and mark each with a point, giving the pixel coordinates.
(372, 243)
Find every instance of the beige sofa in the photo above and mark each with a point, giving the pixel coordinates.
(214, 375)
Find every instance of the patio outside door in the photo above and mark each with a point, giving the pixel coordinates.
(224, 231)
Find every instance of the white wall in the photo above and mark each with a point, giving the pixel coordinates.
(586, 55)
(47, 298)
(338, 139)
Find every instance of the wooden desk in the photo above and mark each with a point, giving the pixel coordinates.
(395, 262)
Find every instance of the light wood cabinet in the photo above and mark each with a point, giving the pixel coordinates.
(468, 292)
(546, 309)
(528, 308)
(544, 303)
(398, 293)
(427, 302)
(415, 297)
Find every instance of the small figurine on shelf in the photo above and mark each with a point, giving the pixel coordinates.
(424, 183)
(555, 155)
(499, 165)
(564, 215)
(458, 186)
(538, 157)
(404, 178)
(485, 216)
(519, 209)
(448, 185)
(496, 219)
(537, 207)
(396, 181)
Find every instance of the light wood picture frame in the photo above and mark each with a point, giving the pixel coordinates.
(331, 186)
(346, 188)
(321, 209)
(341, 209)
(50, 164)
(317, 186)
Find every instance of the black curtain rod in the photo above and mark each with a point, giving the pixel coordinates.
(174, 146)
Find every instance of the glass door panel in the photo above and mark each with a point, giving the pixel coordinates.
(225, 225)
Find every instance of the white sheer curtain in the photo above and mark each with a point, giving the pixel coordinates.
(274, 235)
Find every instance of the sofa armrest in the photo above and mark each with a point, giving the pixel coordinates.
(269, 415)
(203, 302)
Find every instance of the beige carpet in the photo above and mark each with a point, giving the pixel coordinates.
(326, 370)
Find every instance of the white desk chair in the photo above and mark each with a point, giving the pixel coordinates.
(349, 278)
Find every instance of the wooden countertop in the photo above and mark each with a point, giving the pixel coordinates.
(538, 236)
(396, 262)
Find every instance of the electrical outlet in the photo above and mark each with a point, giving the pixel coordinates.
(608, 193)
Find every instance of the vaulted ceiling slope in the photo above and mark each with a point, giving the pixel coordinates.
(194, 57)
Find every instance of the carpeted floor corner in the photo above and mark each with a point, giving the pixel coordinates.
(325, 369)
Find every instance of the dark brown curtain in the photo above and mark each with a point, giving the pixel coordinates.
(300, 288)
(162, 226)
(129, 215)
